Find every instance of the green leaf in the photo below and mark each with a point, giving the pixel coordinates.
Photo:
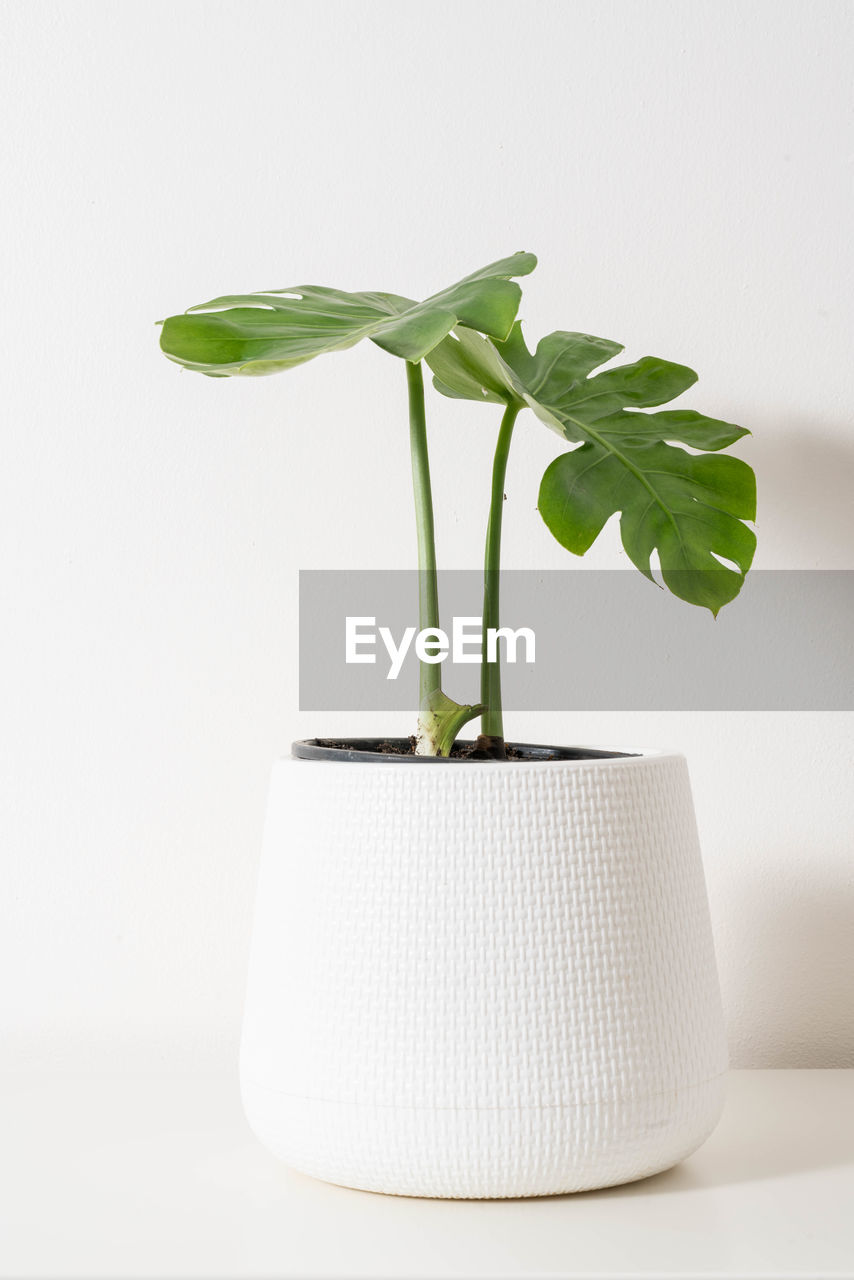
(469, 367)
(260, 333)
(689, 508)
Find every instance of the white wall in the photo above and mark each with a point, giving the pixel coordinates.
(683, 172)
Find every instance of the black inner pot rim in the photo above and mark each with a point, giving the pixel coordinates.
(366, 749)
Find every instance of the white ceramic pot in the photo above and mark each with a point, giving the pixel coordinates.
(482, 980)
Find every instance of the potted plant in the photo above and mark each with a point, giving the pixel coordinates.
(494, 977)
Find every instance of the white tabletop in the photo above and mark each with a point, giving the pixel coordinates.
(153, 1176)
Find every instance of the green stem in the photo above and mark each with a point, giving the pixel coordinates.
(430, 678)
(439, 717)
(492, 720)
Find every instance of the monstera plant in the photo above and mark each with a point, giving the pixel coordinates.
(689, 507)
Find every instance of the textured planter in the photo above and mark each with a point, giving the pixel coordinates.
(482, 979)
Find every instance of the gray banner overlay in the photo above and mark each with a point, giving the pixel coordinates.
(605, 640)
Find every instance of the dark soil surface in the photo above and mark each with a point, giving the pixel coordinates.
(403, 749)
(482, 749)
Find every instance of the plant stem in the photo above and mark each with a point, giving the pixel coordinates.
(492, 720)
(430, 678)
(439, 717)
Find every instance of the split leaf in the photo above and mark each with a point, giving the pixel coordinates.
(689, 508)
(261, 333)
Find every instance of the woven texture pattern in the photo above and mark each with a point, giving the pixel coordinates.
(482, 980)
